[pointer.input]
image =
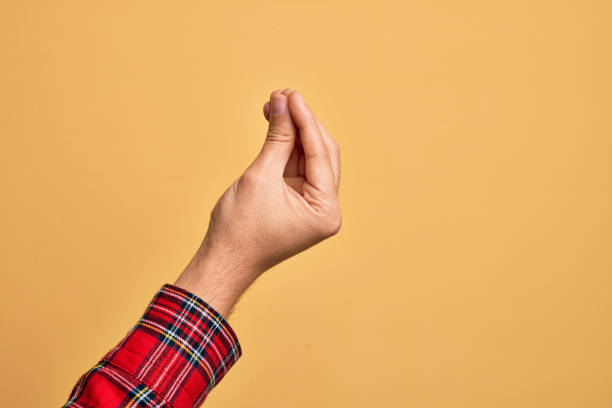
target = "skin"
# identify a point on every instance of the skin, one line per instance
(285, 202)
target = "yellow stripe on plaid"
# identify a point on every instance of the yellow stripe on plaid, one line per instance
(203, 307)
(173, 339)
(133, 401)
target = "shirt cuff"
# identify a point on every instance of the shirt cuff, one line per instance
(181, 348)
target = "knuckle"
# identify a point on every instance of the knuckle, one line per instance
(279, 134)
(251, 177)
(332, 224)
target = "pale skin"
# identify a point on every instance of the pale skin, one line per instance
(285, 202)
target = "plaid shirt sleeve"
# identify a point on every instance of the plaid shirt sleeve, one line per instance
(178, 351)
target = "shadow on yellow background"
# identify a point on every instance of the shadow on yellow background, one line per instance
(473, 268)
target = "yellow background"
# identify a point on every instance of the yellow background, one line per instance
(473, 268)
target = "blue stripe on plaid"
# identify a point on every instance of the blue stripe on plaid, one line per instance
(193, 348)
(191, 303)
(173, 357)
(143, 396)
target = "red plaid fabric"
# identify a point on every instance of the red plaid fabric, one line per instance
(172, 358)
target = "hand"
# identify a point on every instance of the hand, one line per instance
(284, 202)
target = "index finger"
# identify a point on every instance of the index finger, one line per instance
(319, 171)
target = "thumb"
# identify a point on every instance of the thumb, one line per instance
(280, 138)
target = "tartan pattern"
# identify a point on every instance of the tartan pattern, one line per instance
(174, 356)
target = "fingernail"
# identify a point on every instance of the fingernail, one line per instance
(279, 105)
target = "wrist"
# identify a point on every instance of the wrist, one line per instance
(216, 277)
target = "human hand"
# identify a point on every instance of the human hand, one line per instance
(284, 202)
